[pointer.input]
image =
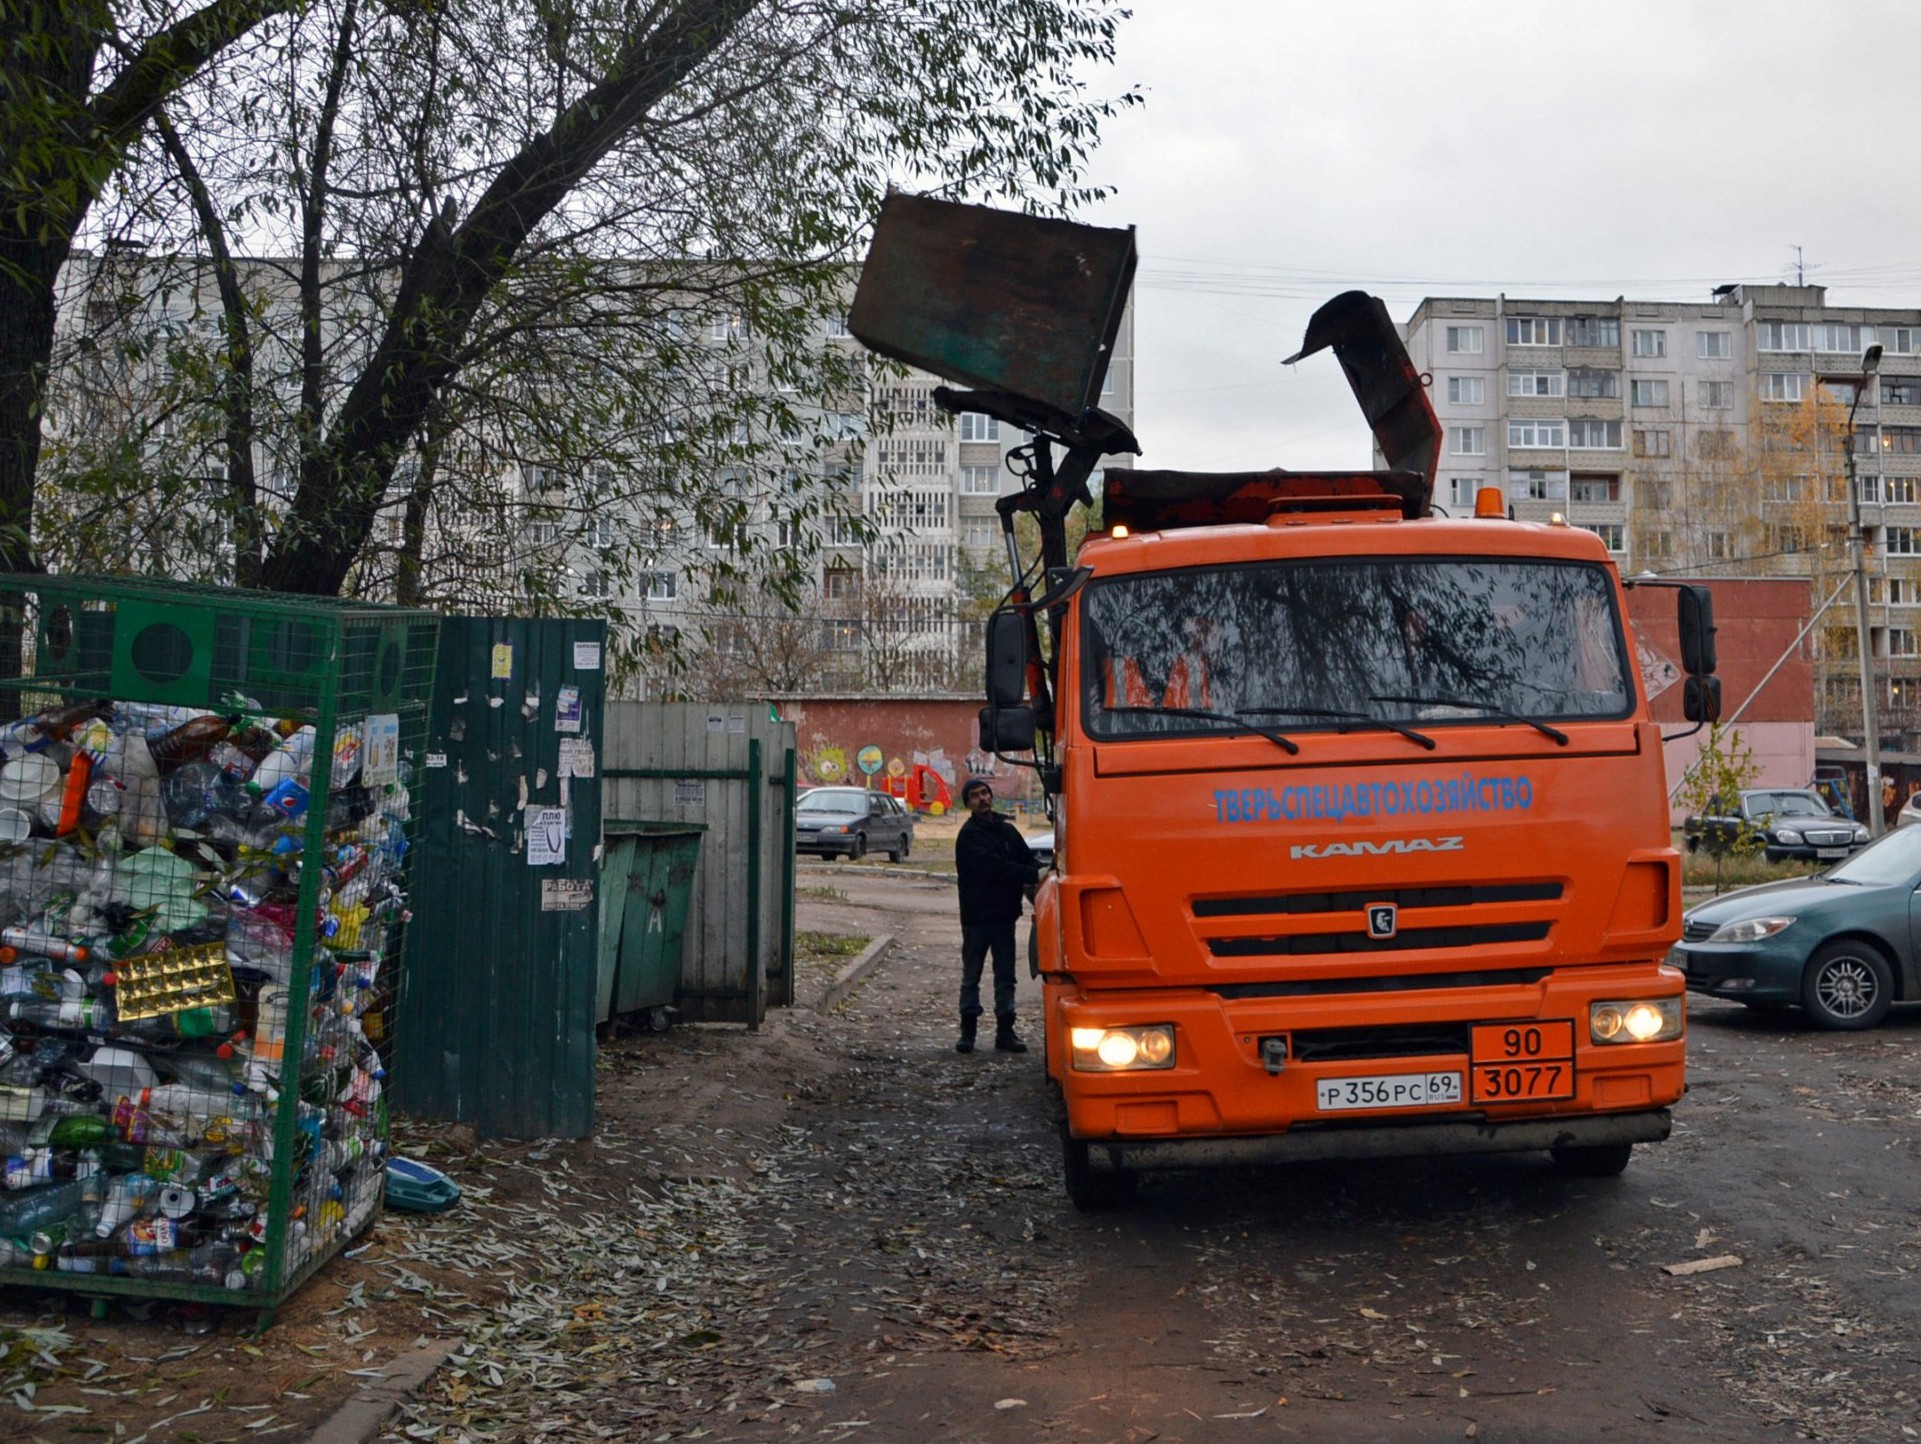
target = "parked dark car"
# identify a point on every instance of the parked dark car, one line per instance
(1790, 822)
(1840, 946)
(851, 822)
(1041, 845)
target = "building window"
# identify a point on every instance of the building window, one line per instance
(1901, 390)
(1536, 383)
(1900, 490)
(1537, 485)
(1716, 395)
(658, 586)
(1786, 539)
(1656, 495)
(1647, 393)
(1467, 440)
(1462, 491)
(1650, 343)
(1653, 443)
(1716, 545)
(1594, 331)
(1902, 642)
(1466, 390)
(836, 326)
(839, 583)
(1904, 340)
(1903, 541)
(1611, 534)
(727, 328)
(1783, 489)
(1714, 345)
(1465, 340)
(1588, 382)
(1533, 331)
(593, 583)
(1901, 440)
(1659, 543)
(980, 480)
(981, 531)
(1549, 431)
(1843, 340)
(975, 427)
(1783, 385)
(1595, 488)
(1590, 434)
(1901, 591)
(1714, 444)
(1783, 336)
(543, 478)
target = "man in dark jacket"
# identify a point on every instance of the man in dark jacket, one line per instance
(995, 869)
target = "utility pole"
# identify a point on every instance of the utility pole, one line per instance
(1870, 704)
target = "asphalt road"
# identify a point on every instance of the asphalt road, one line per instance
(944, 1289)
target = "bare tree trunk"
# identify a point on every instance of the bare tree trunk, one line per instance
(444, 285)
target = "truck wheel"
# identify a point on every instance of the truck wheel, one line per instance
(1091, 1189)
(1592, 1160)
(1848, 986)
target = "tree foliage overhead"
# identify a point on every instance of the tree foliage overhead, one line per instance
(479, 237)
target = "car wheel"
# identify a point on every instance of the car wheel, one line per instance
(1848, 986)
(1592, 1160)
(1693, 844)
(899, 854)
(859, 849)
(1091, 1189)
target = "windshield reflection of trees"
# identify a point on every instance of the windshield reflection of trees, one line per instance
(1540, 639)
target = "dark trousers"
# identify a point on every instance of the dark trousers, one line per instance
(976, 944)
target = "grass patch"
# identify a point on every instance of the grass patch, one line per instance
(827, 947)
(823, 893)
(1726, 871)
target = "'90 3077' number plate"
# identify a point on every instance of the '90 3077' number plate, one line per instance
(1387, 1090)
(1522, 1062)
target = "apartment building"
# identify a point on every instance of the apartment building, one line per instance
(1706, 439)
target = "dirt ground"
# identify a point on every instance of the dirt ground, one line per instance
(837, 1226)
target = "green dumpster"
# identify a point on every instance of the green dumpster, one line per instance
(647, 878)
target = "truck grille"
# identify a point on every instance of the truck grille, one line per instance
(1343, 928)
(1340, 1045)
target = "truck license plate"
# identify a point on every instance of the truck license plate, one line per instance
(1387, 1090)
(1522, 1062)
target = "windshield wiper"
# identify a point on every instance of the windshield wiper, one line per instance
(1487, 708)
(1287, 744)
(1366, 718)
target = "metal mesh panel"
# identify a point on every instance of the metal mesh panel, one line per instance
(206, 801)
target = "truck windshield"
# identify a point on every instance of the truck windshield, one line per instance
(1299, 646)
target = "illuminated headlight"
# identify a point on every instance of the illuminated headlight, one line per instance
(1788, 835)
(1652, 1020)
(1123, 1050)
(1752, 930)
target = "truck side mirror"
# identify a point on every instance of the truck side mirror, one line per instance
(1007, 729)
(1695, 607)
(1701, 699)
(1006, 659)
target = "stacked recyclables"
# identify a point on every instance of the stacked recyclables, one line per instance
(151, 861)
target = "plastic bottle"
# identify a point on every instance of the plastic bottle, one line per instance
(36, 1166)
(269, 1040)
(47, 944)
(73, 794)
(293, 758)
(126, 1196)
(23, 1214)
(84, 1015)
(190, 741)
(194, 792)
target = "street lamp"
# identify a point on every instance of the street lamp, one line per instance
(1870, 707)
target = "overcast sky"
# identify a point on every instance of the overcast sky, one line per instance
(1289, 151)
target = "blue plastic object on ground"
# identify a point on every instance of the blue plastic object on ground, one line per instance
(419, 1187)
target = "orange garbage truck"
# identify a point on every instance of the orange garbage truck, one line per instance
(1361, 828)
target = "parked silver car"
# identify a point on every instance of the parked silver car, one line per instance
(850, 822)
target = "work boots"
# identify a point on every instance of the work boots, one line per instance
(1005, 1040)
(965, 1043)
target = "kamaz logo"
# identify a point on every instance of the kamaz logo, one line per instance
(1392, 845)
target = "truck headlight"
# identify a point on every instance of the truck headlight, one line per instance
(1637, 1020)
(1122, 1050)
(1750, 930)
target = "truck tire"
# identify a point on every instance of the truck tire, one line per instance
(1593, 1160)
(1847, 987)
(1091, 1189)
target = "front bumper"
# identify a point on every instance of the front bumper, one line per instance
(1423, 1140)
(1768, 972)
